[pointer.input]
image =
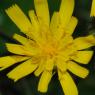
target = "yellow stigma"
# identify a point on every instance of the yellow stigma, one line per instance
(48, 49)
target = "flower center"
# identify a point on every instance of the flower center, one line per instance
(49, 49)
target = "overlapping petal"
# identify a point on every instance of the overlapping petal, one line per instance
(19, 18)
(8, 61)
(40, 7)
(22, 70)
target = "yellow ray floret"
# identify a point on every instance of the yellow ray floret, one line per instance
(66, 81)
(93, 8)
(84, 42)
(21, 39)
(72, 25)
(77, 70)
(16, 49)
(61, 64)
(40, 68)
(22, 70)
(42, 6)
(49, 64)
(19, 18)
(35, 25)
(83, 57)
(56, 26)
(54, 23)
(44, 81)
(21, 50)
(34, 21)
(66, 13)
(8, 61)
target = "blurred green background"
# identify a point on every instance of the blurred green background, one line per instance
(28, 85)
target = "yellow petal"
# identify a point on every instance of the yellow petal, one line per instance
(34, 19)
(49, 64)
(55, 26)
(61, 64)
(54, 22)
(20, 58)
(20, 39)
(19, 18)
(42, 11)
(15, 48)
(40, 69)
(8, 61)
(65, 41)
(72, 25)
(84, 42)
(36, 32)
(77, 70)
(44, 81)
(68, 85)
(24, 41)
(66, 10)
(83, 57)
(93, 8)
(22, 70)
(22, 50)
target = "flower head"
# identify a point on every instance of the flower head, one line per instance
(48, 46)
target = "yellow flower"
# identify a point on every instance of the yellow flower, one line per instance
(48, 46)
(93, 8)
